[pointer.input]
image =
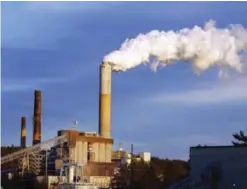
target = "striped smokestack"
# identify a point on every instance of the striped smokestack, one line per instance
(23, 132)
(37, 117)
(105, 100)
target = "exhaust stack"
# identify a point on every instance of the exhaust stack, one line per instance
(37, 117)
(23, 132)
(105, 100)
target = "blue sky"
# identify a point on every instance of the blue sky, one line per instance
(57, 47)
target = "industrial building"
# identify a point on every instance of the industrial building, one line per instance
(91, 149)
(220, 167)
(121, 157)
(229, 163)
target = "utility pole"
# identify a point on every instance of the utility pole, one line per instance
(131, 166)
(46, 172)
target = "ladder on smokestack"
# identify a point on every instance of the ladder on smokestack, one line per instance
(34, 151)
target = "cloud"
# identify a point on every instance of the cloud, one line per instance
(70, 26)
(14, 85)
(220, 92)
(41, 24)
(54, 7)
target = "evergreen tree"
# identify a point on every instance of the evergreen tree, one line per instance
(241, 138)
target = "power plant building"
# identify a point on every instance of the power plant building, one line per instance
(88, 149)
(93, 150)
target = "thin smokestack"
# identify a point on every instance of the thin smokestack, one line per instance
(105, 100)
(23, 132)
(37, 117)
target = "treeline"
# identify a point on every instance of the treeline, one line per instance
(158, 174)
(5, 150)
(9, 149)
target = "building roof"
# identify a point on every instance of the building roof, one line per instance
(226, 146)
(75, 135)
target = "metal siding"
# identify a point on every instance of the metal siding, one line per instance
(102, 152)
(96, 151)
(85, 152)
(233, 162)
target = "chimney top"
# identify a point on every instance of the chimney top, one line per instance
(37, 91)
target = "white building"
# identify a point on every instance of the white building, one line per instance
(230, 161)
(145, 156)
(126, 158)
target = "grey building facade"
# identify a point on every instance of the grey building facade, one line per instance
(221, 167)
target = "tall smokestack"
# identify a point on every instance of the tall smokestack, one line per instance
(37, 117)
(105, 100)
(23, 132)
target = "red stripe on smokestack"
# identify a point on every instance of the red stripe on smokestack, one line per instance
(37, 117)
(23, 132)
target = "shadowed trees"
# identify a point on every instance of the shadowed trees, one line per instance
(5, 150)
(158, 174)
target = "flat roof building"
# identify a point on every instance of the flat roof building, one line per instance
(227, 164)
(88, 149)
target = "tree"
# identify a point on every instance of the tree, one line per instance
(241, 138)
(158, 174)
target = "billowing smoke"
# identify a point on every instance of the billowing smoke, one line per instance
(201, 47)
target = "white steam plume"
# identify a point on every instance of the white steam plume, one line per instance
(202, 47)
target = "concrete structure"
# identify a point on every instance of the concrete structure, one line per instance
(92, 150)
(101, 182)
(124, 157)
(23, 132)
(37, 118)
(89, 149)
(145, 156)
(230, 161)
(105, 100)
